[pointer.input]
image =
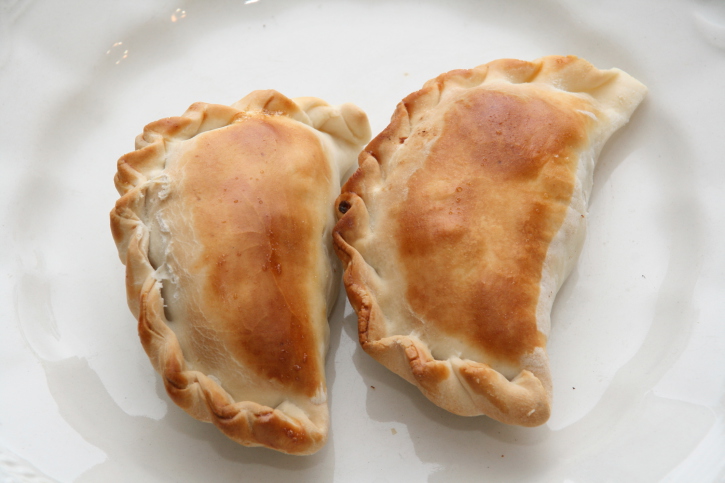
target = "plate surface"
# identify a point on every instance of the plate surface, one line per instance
(637, 338)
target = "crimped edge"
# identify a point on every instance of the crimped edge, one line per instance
(477, 389)
(285, 428)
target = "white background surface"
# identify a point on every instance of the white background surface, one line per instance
(638, 340)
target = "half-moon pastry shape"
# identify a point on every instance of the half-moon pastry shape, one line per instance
(224, 225)
(463, 220)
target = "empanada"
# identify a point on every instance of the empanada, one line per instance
(464, 218)
(224, 226)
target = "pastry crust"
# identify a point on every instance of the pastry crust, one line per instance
(224, 225)
(463, 220)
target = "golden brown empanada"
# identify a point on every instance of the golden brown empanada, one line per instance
(464, 218)
(224, 226)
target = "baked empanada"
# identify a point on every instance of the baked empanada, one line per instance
(464, 218)
(224, 226)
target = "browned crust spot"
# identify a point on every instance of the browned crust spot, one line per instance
(480, 214)
(260, 240)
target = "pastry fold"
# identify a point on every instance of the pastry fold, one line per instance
(224, 225)
(464, 218)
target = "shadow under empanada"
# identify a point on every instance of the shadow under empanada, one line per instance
(137, 447)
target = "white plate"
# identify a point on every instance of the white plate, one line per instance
(637, 343)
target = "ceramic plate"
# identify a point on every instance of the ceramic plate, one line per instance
(638, 335)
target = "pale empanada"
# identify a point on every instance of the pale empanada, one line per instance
(224, 226)
(464, 218)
